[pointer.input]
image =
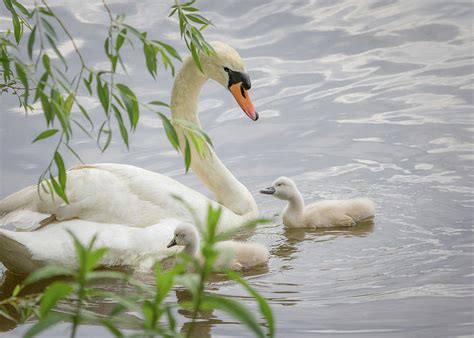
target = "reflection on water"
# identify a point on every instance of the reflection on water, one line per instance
(294, 236)
(357, 98)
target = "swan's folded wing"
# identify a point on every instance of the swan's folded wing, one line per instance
(23, 220)
(155, 193)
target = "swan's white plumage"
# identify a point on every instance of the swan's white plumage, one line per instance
(137, 248)
(319, 214)
(231, 254)
(115, 193)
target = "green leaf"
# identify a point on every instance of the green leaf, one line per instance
(106, 48)
(21, 8)
(170, 131)
(9, 6)
(68, 103)
(171, 51)
(56, 50)
(120, 39)
(198, 19)
(84, 112)
(16, 290)
(236, 310)
(49, 28)
(199, 144)
(57, 109)
(195, 55)
(48, 321)
(167, 62)
(88, 83)
(45, 11)
(150, 58)
(45, 134)
(5, 59)
(190, 281)
(48, 113)
(17, 27)
(20, 71)
(163, 281)
(41, 84)
(171, 319)
(187, 155)
(46, 63)
(48, 271)
(103, 93)
(94, 258)
(190, 9)
(159, 103)
(107, 275)
(133, 30)
(112, 328)
(58, 189)
(54, 293)
(108, 133)
(148, 313)
(31, 42)
(74, 153)
(81, 253)
(61, 169)
(123, 130)
(262, 302)
(131, 104)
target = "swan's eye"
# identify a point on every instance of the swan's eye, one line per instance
(279, 185)
(226, 69)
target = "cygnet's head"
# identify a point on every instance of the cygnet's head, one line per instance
(186, 235)
(227, 68)
(282, 188)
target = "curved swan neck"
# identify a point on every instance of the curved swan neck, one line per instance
(185, 93)
(192, 247)
(296, 203)
(184, 100)
(294, 212)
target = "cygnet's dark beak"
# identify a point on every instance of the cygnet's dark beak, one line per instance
(268, 191)
(172, 243)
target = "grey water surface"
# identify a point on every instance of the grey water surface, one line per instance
(356, 98)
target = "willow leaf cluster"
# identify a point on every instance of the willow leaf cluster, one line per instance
(34, 69)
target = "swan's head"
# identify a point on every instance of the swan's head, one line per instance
(185, 235)
(283, 188)
(227, 68)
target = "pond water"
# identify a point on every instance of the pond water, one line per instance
(356, 98)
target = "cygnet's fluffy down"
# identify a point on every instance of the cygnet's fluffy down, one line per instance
(320, 214)
(232, 254)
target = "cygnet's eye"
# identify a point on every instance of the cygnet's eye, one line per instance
(226, 69)
(279, 184)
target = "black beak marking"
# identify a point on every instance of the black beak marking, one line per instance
(268, 191)
(236, 77)
(172, 243)
(242, 91)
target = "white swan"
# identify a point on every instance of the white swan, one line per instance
(117, 193)
(132, 247)
(231, 254)
(320, 214)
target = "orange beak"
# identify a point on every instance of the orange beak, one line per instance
(243, 99)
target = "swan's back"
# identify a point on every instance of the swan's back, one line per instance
(338, 212)
(244, 255)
